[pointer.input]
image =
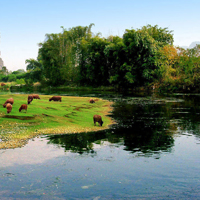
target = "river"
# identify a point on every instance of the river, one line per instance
(153, 152)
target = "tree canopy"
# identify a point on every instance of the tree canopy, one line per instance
(141, 57)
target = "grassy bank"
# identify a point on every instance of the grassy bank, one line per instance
(72, 115)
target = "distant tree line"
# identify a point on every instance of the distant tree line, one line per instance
(143, 57)
(17, 76)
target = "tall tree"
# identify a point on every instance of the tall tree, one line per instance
(35, 70)
(116, 57)
(95, 70)
(167, 59)
(61, 54)
(141, 47)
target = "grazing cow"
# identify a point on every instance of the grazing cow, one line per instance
(29, 101)
(92, 101)
(10, 100)
(55, 98)
(35, 96)
(23, 107)
(30, 98)
(9, 107)
(2, 84)
(97, 118)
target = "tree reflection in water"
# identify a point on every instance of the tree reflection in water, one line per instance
(142, 126)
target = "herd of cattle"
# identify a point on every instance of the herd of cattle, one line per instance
(9, 103)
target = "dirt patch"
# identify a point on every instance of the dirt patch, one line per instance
(72, 113)
(50, 108)
(46, 115)
(18, 117)
(78, 108)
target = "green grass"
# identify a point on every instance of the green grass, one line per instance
(72, 115)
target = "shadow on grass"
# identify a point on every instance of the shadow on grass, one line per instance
(18, 117)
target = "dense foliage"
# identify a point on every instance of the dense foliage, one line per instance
(76, 56)
(142, 57)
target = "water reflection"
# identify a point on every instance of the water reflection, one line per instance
(35, 152)
(142, 126)
(186, 114)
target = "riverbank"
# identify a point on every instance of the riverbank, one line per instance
(154, 87)
(72, 115)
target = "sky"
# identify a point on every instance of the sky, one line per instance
(24, 23)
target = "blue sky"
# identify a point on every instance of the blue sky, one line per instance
(24, 23)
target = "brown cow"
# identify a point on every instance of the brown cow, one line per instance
(35, 96)
(10, 100)
(23, 107)
(30, 98)
(2, 84)
(97, 118)
(92, 101)
(29, 101)
(55, 98)
(9, 107)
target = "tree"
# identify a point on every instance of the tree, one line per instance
(141, 47)
(95, 70)
(12, 77)
(188, 66)
(35, 70)
(167, 58)
(61, 54)
(19, 71)
(162, 35)
(4, 71)
(116, 57)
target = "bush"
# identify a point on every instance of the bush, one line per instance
(20, 81)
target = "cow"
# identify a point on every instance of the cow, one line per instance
(23, 107)
(29, 101)
(30, 98)
(10, 100)
(97, 118)
(35, 96)
(9, 107)
(55, 98)
(92, 101)
(2, 84)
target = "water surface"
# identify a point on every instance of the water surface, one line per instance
(151, 153)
